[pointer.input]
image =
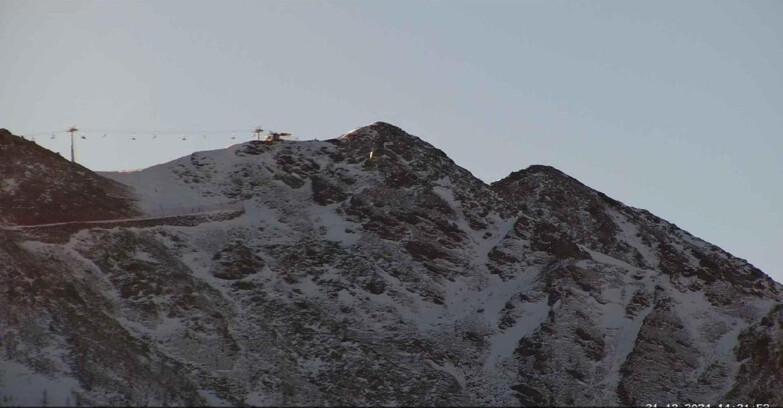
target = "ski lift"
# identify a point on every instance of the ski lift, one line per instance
(276, 136)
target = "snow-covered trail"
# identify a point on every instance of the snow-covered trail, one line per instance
(233, 208)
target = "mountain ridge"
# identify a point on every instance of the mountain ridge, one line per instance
(399, 279)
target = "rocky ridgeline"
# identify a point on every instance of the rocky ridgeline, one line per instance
(399, 279)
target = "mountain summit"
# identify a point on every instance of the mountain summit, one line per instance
(370, 269)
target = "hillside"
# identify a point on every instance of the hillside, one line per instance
(396, 280)
(38, 186)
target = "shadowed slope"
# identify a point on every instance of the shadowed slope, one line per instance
(38, 186)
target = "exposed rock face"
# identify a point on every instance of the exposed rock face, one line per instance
(760, 353)
(396, 280)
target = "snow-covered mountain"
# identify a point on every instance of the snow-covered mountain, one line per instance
(330, 277)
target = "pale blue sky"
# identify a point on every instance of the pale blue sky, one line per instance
(672, 106)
